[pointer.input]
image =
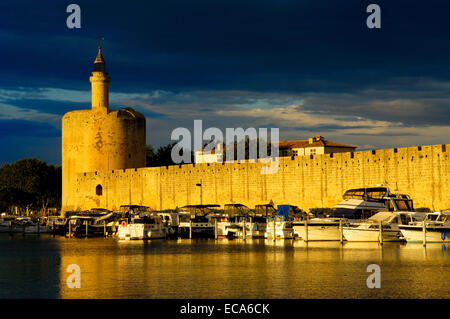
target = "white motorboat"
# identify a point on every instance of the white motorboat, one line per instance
(141, 227)
(171, 221)
(7, 224)
(437, 229)
(326, 229)
(196, 221)
(241, 227)
(5, 227)
(357, 205)
(280, 225)
(279, 228)
(370, 230)
(240, 222)
(36, 228)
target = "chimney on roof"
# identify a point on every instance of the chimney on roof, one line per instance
(316, 138)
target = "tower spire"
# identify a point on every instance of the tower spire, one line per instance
(99, 84)
(99, 63)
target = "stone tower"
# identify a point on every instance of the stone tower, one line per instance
(99, 139)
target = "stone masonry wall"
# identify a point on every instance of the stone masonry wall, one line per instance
(423, 172)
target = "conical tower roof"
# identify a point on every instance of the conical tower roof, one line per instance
(99, 63)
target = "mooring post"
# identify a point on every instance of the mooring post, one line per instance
(341, 231)
(104, 228)
(274, 230)
(70, 229)
(424, 229)
(244, 231)
(306, 230)
(190, 229)
(380, 224)
(215, 228)
(86, 228)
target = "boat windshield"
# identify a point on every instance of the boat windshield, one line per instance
(201, 209)
(375, 194)
(265, 210)
(404, 204)
(432, 217)
(406, 218)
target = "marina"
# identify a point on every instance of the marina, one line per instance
(35, 266)
(365, 215)
(262, 165)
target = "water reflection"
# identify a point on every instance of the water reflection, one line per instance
(221, 269)
(29, 267)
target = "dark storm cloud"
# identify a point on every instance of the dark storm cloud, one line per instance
(263, 45)
(22, 128)
(232, 63)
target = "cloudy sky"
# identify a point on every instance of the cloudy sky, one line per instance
(307, 67)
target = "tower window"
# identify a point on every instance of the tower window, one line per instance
(99, 190)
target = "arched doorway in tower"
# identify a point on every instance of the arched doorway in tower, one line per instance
(99, 190)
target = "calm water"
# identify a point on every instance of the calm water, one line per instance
(35, 267)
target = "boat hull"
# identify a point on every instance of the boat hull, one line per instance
(140, 232)
(371, 235)
(318, 232)
(281, 231)
(35, 229)
(197, 232)
(433, 234)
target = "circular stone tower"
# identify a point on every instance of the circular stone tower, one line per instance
(99, 139)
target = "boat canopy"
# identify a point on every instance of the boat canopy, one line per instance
(286, 210)
(134, 208)
(81, 217)
(352, 203)
(104, 217)
(200, 209)
(236, 209)
(382, 217)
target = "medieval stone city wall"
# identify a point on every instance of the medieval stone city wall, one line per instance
(423, 172)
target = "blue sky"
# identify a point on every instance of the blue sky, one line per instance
(307, 67)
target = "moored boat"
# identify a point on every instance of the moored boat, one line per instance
(195, 221)
(171, 222)
(57, 225)
(437, 229)
(357, 205)
(145, 226)
(239, 221)
(280, 226)
(370, 230)
(37, 227)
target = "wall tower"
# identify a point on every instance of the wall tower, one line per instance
(99, 139)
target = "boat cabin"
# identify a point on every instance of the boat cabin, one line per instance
(265, 210)
(236, 210)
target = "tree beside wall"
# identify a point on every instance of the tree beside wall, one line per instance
(30, 184)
